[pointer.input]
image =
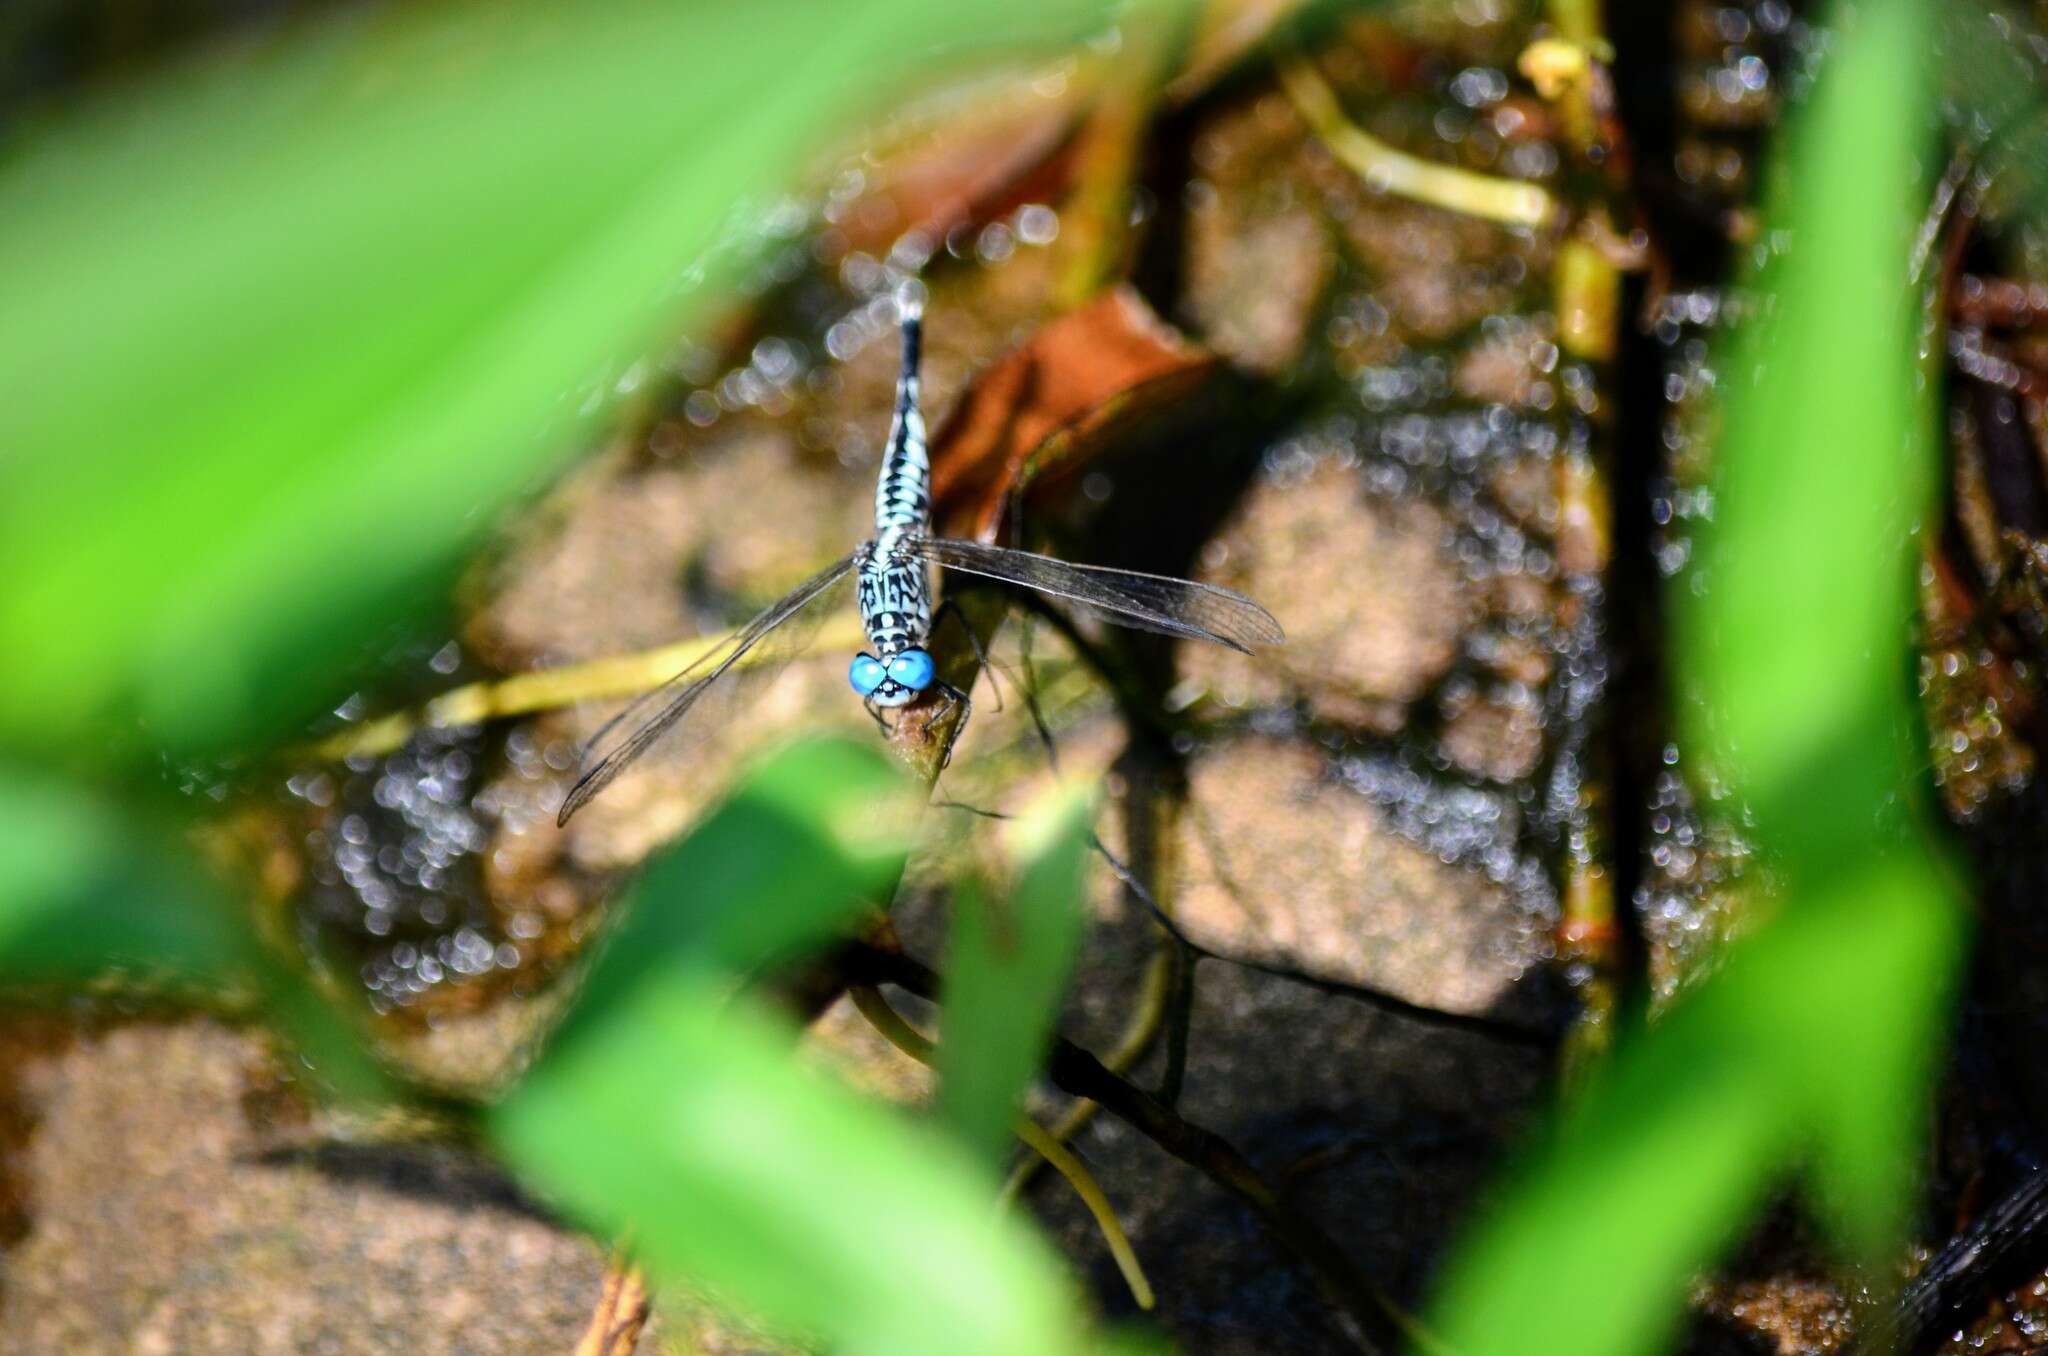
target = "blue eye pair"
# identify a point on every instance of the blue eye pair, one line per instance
(910, 668)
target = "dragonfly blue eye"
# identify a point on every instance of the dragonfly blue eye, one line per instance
(866, 674)
(913, 669)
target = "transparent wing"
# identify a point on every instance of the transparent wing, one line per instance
(619, 741)
(1149, 602)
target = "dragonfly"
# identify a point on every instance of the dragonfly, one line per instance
(892, 572)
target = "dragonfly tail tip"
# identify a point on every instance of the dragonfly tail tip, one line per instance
(910, 300)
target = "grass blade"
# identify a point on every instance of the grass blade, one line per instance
(1006, 971)
(1793, 639)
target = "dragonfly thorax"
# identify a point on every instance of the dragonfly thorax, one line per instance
(896, 611)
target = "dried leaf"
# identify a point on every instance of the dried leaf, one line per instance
(1050, 405)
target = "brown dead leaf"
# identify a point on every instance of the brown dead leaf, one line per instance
(1045, 408)
(621, 1313)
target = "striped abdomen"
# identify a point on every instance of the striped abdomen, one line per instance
(903, 494)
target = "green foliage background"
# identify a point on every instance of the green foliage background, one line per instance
(1815, 1046)
(284, 329)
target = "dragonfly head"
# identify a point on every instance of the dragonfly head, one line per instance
(895, 681)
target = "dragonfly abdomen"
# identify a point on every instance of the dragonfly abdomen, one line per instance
(903, 491)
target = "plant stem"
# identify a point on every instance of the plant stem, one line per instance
(522, 694)
(868, 1001)
(1391, 171)
(1368, 1319)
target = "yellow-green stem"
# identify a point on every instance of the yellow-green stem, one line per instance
(1384, 168)
(868, 1001)
(522, 694)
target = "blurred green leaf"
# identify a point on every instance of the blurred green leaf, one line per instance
(685, 1123)
(812, 838)
(1792, 628)
(670, 1113)
(1814, 1045)
(81, 897)
(282, 328)
(93, 898)
(813, 835)
(1132, 1342)
(1006, 970)
(1848, 992)
(1994, 105)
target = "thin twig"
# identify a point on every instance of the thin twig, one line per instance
(2002, 302)
(622, 1309)
(1947, 193)
(1368, 1318)
(1513, 1033)
(1029, 688)
(1458, 190)
(1147, 1016)
(1115, 676)
(1988, 362)
(1179, 1015)
(868, 1001)
(1070, 1166)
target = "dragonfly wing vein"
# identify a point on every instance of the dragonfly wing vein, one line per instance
(681, 693)
(1149, 602)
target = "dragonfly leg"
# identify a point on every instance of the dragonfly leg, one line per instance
(875, 714)
(1028, 688)
(955, 699)
(951, 607)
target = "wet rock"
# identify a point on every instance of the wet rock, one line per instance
(1284, 862)
(636, 558)
(164, 1220)
(1373, 1129)
(1790, 1315)
(1509, 367)
(1259, 256)
(1436, 273)
(1498, 737)
(1371, 599)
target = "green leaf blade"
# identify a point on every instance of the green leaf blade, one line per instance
(292, 324)
(1812, 1047)
(1791, 627)
(94, 898)
(811, 840)
(684, 1123)
(1006, 971)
